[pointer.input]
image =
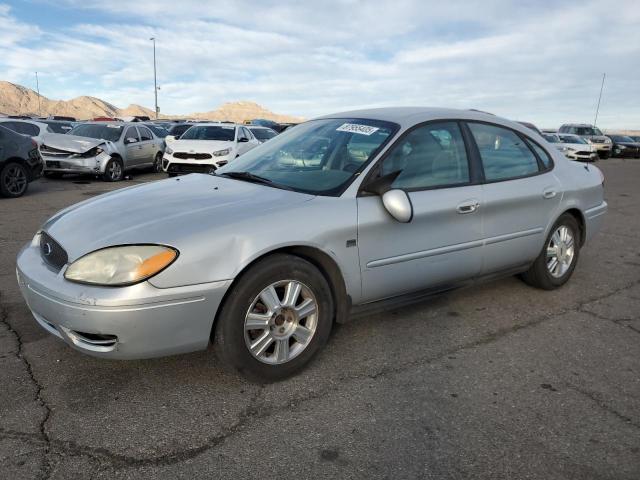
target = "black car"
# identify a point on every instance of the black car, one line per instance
(59, 126)
(624, 146)
(179, 128)
(20, 162)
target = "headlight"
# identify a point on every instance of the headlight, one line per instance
(222, 153)
(119, 266)
(607, 140)
(168, 150)
(571, 149)
(621, 147)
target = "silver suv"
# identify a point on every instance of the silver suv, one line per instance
(107, 149)
(592, 135)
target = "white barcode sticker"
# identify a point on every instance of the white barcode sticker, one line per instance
(356, 128)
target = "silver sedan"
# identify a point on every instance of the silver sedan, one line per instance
(341, 212)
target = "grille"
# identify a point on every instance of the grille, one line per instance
(192, 156)
(51, 251)
(190, 168)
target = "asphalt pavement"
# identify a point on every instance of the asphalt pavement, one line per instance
(495, 381)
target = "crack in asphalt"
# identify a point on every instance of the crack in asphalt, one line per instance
(595, 398)
(44, 435)
(257, 408)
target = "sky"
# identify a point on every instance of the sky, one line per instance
(539, 61)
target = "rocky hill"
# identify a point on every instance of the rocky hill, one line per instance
(19, 100)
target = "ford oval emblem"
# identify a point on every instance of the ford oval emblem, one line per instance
(47, 249)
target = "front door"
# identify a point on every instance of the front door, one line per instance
(442, 243)
(133, 148)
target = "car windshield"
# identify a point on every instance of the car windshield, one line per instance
(571, 139)
(159, 131)
(94, 130)
(210, 132)
(59, 127)
(551, 138)
(320, 157)
(586, 131)
(263, 134)
(622, 139)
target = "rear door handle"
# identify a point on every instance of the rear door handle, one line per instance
(549, 193)
(468, 206)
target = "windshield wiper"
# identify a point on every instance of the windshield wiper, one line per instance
(251, 177)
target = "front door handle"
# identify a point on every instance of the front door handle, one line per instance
(468, 207)
(549, 193)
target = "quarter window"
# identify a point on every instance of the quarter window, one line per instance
(432, 155)
(504, 154)
(542, 154)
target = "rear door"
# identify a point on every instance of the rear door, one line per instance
(443, 242)
(133, 148)
(148, 144)
(521, 195)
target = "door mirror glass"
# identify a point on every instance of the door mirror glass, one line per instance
(398, 204)
(243, 139)
(129, 140)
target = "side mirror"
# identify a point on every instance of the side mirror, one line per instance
(170, 138)
(129, 140)
(398, 204)
(243, 139)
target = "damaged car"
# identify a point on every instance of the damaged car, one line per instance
(104, 149)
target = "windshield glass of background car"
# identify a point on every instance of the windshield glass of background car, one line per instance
(262, 133)
(212, 132)
(551, 138)
(91, 130)
(319, 157)
(573, 140)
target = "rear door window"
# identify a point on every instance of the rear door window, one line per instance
(145, 134)
(504, 154)
(132, 133)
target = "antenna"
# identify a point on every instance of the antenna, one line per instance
(599, 98)
(38, 90)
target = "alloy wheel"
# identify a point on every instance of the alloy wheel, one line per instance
(281, 322)
(560, 251)
(15, 180)
(115, 171)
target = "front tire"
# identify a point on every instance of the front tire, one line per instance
(157, 163)
(114, 171)
(555, 264)
(276, 318)
(14, 180)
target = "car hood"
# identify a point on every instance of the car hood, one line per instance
(598, 139)
(71, 143)
(176, 212)
(199, 146)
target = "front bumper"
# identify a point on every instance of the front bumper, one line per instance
(139, 321)
(179, 165)
(76, 164)
(582, 156)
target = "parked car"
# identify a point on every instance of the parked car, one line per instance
(263, 122)
(573, 146)
(35, 129)
(624, 146)
(635, 138)
(178, 129)
(20, 162)
(60, 126)
(531, 126)
(592, 135)
(105, 149)
(262, 134)
(62, 118)
(206, 147)
(265, 255)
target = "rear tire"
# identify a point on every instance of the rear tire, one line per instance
(14, 180)
(555, 264)
(292, 324)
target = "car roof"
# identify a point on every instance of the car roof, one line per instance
(577, 125)
(409, 116)
(218, 124)
(260, 127)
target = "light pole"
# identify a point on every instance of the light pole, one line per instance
(38, 90)
(155, 78)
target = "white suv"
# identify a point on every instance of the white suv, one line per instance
(205, 147)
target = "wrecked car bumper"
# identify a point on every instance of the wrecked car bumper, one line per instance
(76, 163)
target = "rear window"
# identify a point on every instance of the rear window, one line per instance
(210, 132)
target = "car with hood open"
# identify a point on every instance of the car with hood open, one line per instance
(592, 135)
(339, 214)
(105, 149)
(205, 147)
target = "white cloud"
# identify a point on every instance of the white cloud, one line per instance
(537, 62)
